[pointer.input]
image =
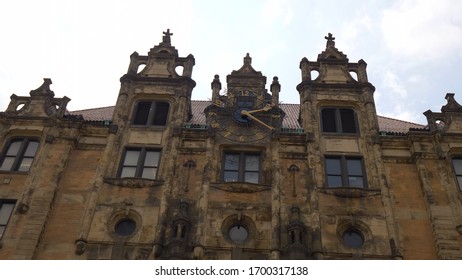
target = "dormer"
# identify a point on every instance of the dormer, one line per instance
(332, 67)
(162, 61)
(41, 103)
(247, 81)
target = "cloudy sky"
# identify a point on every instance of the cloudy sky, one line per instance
(413, 48)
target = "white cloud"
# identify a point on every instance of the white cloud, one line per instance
(423, 29)
(278, 10)
(392, 82)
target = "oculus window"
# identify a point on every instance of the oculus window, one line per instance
(353, 238)
(125, 227)
(140, 163)
(238, 234)
(457, 165)
(19, 154)
(151, 113)
(6, 208)
(241, 167)
(343, 171)
(339, 120)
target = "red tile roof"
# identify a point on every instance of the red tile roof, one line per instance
(290, 121)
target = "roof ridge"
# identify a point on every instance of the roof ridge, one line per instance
(400, 120)
(92, 108)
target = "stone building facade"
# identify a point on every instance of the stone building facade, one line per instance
(242, 176)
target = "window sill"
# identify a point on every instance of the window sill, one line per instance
(153, 127)
(337, 135)
(350, 192)
(240, 187)
(133, 182)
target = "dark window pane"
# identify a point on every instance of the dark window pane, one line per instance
(128, 172)
(333, 166)
(7, 164)
(25, 164)
(348, 121)
(14, 148)
(161, 113)
(231, 162)
(457, 166)
(149, 173)
(142, 113)
(125, 227)
(251, 177)
(334, 181)
(356, 182)
(353, 239)
(252, 162)
(5, 212)
(354, 167)
(328, 120)
(231, 176)
(131, 158)
(459, 181)
(238, 234)
(151, 159)
(2, 230)
(31, 149)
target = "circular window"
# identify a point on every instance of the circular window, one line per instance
(353, 238)
(238, 233)
(125, 227)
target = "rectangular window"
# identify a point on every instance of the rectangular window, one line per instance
(151, 113)
(19, 154)
(342, 171)
(140, 163)
(457, 165)
(338, 120)
(6, 208)
(241, 167)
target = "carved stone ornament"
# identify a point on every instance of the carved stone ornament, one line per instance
(133, 182)
(80, 246)
(350, 192)
(240, 187)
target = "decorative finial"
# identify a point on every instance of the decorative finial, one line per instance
(44, 89)
(330, 40)
(329, 37)
(247, 59)
(166, 37)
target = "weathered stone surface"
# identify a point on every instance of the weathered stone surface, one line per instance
(73, 201)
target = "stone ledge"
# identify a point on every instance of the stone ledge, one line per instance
(350, 192)
(133, 182)
(240, 187)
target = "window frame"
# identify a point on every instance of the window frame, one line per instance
(242, 169)
(20, 154)
(4, 225)
(339, 124)
(151, 118)
(457, 176)
(344, 172)
(140, 164)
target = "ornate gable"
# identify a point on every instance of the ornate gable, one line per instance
(41, 103)
(162, 61)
